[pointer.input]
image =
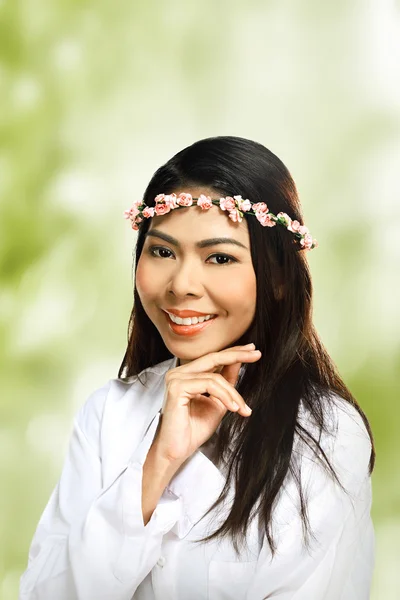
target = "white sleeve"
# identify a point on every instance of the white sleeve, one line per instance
(339, 564)
(91, 541)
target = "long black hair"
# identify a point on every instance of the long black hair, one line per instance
(294, 366)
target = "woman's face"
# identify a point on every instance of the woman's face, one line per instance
(175, 273)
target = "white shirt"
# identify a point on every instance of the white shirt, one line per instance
(91, 542)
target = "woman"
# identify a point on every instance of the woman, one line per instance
(228, 460)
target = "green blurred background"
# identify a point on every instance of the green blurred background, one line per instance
(94, 96)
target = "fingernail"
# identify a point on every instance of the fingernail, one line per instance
(249, 346)
(248, 409)
(235, 406)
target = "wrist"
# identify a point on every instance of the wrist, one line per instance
(162, 463)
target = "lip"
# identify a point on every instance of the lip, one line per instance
(188, 330)
(186, 313)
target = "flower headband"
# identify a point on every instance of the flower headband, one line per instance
(235, 206)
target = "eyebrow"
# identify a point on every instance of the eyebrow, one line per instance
(201, 244)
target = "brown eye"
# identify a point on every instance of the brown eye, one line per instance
(228, 259)
(154, 249)
(221, 259)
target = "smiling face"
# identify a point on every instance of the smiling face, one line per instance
(179, 271)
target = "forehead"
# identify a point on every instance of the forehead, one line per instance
(192, 224)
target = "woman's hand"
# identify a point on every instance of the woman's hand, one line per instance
(189, 418)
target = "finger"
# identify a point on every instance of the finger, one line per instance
(183, 391)
(209, 362)
(231, 372)
(187, 389)
(207, 396)
(220, 368)
(187, 378)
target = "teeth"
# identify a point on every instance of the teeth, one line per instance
(189, 320)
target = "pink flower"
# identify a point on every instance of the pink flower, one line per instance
(286, 218)
(303, 229)
(234, 215)
(131, 212)
(135, 223)
(260, 207)
(265, 219)
(185, 199)
(204, 202)
(294, 226)
(235, 206)
(162, 209)
(244, 205)
(170, 200)
(227, 203)
(307, 241)
(148, 211)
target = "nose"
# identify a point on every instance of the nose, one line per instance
(186, 280)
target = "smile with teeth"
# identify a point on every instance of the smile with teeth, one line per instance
(189, 320)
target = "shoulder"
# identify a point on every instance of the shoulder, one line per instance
(159, 369)
(115, 391)
(345, 440)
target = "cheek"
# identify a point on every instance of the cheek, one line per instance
(144, 279)
(240, 292)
